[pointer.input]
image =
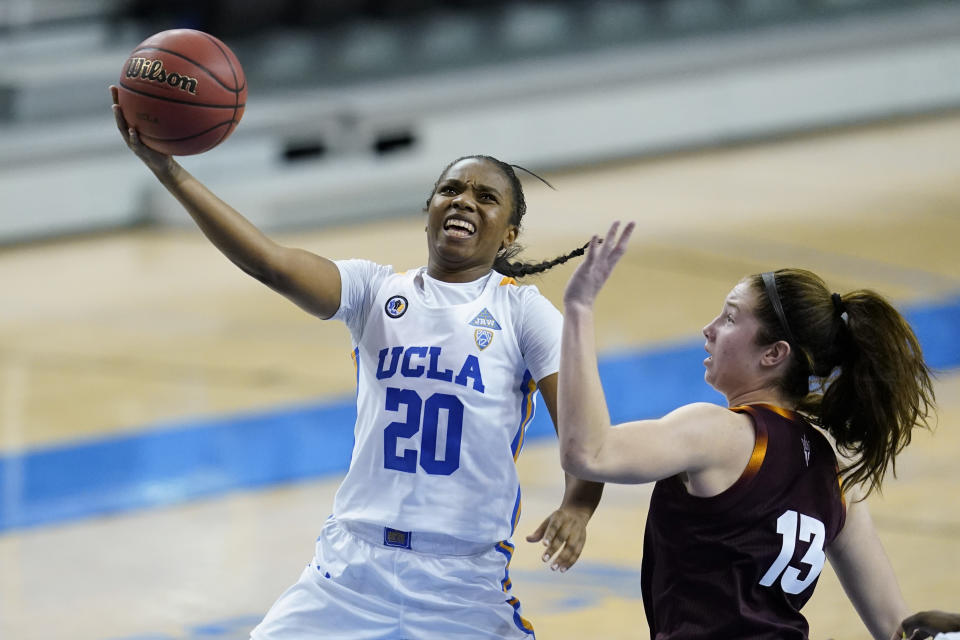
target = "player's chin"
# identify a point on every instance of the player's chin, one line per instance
(708, 378)
(457, 250)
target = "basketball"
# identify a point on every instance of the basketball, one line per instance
(183, 90)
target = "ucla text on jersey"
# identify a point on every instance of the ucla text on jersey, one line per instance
(411, 365)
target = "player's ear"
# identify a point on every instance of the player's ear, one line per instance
(775, 353)
(509, 236)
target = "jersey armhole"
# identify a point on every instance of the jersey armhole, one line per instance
(736, 492)
(757, 456)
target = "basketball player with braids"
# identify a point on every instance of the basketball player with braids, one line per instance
(749, 500)
(449, 358)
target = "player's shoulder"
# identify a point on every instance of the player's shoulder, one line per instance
(506, 281)
(363, 268)
(714, 431)
(705, 417)
(517, 290)
(702, 410)
(512, 288)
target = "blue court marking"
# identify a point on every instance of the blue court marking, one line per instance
(592, 583)
(172, 463)
(226, 629)
(586, 585)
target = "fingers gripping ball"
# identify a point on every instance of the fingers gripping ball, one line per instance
(183, 91)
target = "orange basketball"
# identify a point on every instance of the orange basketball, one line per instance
(183, 91)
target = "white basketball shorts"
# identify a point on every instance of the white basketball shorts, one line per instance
(360, 588)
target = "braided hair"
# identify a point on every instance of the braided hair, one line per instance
(503, 263)
(856, 367)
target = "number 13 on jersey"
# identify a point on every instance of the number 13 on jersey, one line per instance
(790, 532)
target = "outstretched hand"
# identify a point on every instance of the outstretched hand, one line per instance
(157, 162)
(590, 276)
(564, 532)
(927, 624)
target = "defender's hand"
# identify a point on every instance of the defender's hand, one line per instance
(590, 276)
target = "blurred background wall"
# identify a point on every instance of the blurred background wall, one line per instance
(355, 105)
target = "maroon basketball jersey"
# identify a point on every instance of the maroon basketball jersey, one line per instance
(741, 564)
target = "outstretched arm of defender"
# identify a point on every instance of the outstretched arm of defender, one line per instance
(308, 280)
(582, 414)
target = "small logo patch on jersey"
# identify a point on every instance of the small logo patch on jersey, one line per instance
(485, 320)
(396, 306)
(806, 448)
(483, 338)
(394, 538)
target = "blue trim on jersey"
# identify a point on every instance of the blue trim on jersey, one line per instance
(515, 515)
(171, 463)
(506, 548)
(356, 367)
(528, 408)
(519, 620)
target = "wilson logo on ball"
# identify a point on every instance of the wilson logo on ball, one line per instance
(152, 70)
(183, 89)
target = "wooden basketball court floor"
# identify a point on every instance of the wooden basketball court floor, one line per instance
(110, 336)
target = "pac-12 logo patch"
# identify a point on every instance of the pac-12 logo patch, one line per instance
(396, 306)
(483, 338)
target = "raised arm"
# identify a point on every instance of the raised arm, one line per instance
(709, 443)
(308, 280)
(862, 566)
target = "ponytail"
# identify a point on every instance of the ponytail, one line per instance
(856, 368)
(881, 391)
(519, 269)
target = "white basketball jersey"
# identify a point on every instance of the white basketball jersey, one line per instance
(443, 399)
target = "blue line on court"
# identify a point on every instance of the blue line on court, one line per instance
(173, 463)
